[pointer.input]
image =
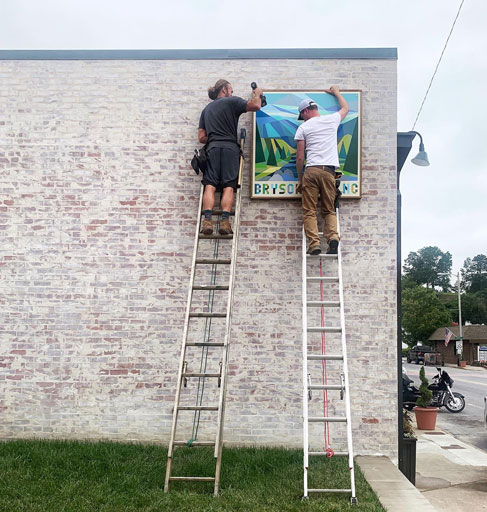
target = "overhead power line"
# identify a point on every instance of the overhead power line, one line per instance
(437, 66)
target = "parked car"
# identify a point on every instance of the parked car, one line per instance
(485, 411)
(416, 354)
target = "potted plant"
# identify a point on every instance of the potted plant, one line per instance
(409, 448)
(425, 414)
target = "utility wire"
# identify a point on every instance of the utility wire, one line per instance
(437, 66)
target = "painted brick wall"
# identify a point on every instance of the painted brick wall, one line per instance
(97, 218)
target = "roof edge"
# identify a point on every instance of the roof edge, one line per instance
(262, 53)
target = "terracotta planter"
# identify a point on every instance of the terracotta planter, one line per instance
(463, 364)
(426, 417)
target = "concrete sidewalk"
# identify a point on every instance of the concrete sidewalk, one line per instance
(395, 492)
(450, 475)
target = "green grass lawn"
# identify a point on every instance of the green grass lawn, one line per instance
(77, 477)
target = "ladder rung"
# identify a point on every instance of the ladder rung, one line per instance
(338, 454)
(324, 329)
(215, 236)
(192, 478)
(213, 261)
(203, 344)
(330, 490)
(210, 287)
(327, 419)
(197, 408)
(219, 212)
(333, 387)
(325, 357)
(324, 256)
(194, 443)
(332, 279)
(201, 375)
(324, 303)
(207, 315)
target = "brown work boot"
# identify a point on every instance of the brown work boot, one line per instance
(332, 247)
(314, 250)
(207, 227)
(225, 228)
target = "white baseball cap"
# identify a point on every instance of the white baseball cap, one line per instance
(305, 104)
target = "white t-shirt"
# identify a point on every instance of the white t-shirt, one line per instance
(320, 136)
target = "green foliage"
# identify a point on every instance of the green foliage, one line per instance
(429, 266)
(53, 476)
(422, 313)
(426, 396)
(474, 308)
(474, 274)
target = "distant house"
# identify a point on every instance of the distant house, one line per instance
(474, 336)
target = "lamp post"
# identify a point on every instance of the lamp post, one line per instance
(460, 328)
(404, 145)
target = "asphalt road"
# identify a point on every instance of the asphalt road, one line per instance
(468, 425)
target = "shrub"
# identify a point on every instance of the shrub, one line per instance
(424, 399)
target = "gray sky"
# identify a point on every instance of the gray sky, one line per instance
(443, 204)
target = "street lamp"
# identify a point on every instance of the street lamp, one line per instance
(460, 328)
(404, 145)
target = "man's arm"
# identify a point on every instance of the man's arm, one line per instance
(341, 100)
(299, 164)
(255, 102)
(202, 136)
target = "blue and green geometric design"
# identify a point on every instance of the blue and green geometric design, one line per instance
(274, 173)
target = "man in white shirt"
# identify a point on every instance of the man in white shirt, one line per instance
(318, 137)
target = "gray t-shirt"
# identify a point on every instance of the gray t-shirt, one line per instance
(220, 120)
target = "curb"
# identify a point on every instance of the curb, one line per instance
(395, 492)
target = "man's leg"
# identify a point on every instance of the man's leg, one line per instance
(227, 203)
(327, 193)
(209, 197)
(230, 163)
(208, 203)
(310, 196)
(227, 199)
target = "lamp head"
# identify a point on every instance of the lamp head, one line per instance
(421, 158)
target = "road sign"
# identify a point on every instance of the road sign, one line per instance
(483, 353)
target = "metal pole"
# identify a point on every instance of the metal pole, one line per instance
(400, 430)
(459, 308)
(460, 328)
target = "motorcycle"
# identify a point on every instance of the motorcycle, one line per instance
(441, 389)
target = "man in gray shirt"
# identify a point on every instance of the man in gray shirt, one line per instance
(218, 128)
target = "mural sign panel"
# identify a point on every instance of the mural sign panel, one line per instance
(274, 173)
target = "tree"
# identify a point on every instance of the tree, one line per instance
(429, 266)
(422, 313)
(425, 397)
(474, 274)
(474, 308)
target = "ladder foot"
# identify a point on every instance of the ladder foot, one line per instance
(354, 500)
(305, 498)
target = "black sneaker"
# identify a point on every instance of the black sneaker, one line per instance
(332, 247)
(314, 251)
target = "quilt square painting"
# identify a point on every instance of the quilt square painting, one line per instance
(274, 173)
